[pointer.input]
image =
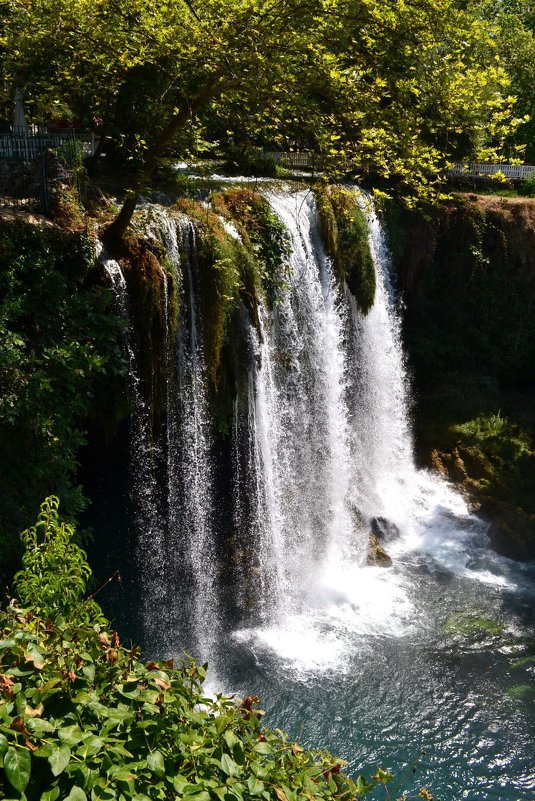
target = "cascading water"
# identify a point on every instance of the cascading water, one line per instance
(190, 470)
(144, 484)
(333, 446)
(359, 655)
(300, 419)
(171, 474)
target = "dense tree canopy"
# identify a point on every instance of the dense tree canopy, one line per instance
(516, 41)
(395, 87)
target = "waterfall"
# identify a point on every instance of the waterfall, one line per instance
(301, 420)
(321, 453)
(253, 546)
(331, 447)
(145, 495)
(190, 470)
(171, 472)
(381, 436)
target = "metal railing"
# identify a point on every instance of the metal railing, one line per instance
(296, 159)
(516, 172)
(24, 179)
(25, 143)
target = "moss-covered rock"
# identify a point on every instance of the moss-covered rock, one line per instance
(263, 235)
(468, 624)
(522, 692)
(241, 245)
(345, 233)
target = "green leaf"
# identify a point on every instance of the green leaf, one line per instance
(51, 795)
(229, 766)
(38, 726)
(59, 759)
(198, 794)
(230, 739)
(156, 763)
(70, 735)
(89, 746)
(76, 794)
(179, 783)
(17, 766)
(3, 745)
(363, 786)
(255, 787)
(263, 748)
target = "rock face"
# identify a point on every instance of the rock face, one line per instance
(466, 270)
(384, 530)
(377, 556)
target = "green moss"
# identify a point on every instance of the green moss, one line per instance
(525, 662)
(229, 274)
(522, 692)
(146, 281)
(222, 264)
(468, 624)
(345, 232)
(263, 235)
(496, 435)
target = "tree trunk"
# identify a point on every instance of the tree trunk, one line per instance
(115, 231)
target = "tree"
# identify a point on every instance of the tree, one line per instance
(515, 22)
(398, 88)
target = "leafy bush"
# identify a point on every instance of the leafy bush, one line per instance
(82, 717)
(55, 571)
(527, 186)
(59, 346)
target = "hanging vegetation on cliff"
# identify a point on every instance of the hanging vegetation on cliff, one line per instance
(345, 233)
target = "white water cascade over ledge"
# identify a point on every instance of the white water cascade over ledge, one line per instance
(330, 410)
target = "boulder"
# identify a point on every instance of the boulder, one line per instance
(377, 556)
(384, 529)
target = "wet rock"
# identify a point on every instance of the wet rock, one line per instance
(377, 556)
(384, 529)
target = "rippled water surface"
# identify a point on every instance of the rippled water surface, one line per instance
(421, 665)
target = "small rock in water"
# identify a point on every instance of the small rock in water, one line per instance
(377, 556)
(384, 529)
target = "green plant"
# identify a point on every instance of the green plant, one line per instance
(345, 233)
(60, 352)
(250, 161)
(71, 153)
(264, 237)
(53, 580)
(527, 186)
